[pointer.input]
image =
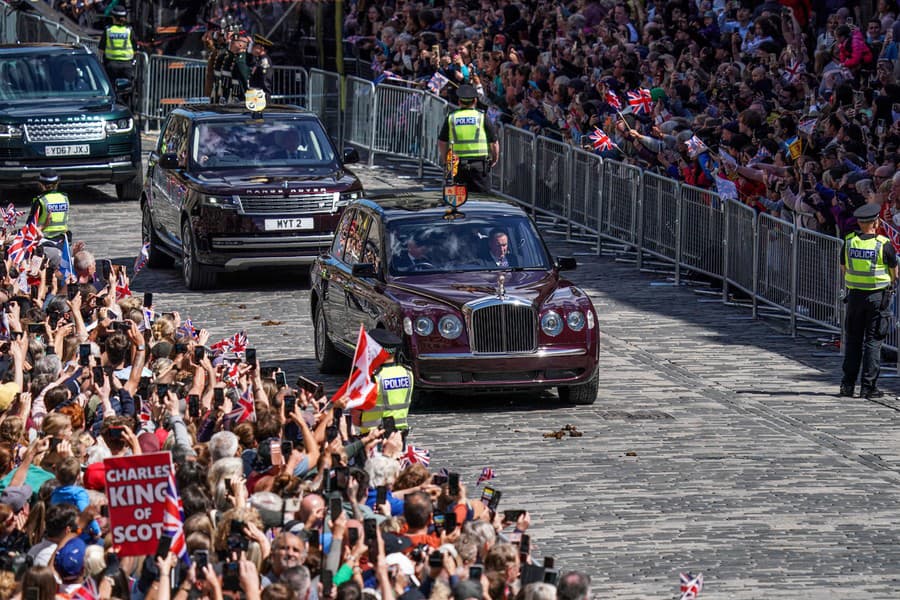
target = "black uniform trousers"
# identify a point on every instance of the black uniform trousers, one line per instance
(863, 341)
(119, 69)
(475, 175)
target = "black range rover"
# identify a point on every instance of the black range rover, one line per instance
(230, 190)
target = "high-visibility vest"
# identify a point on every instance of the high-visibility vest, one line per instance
(54, 214)
(118, 43)
(864, 267)
(395, 388)
(466, 133)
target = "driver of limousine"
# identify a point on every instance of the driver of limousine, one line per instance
(287, 145)
(415, 257)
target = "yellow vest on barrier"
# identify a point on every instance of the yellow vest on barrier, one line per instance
(864, 263)
(395, 388)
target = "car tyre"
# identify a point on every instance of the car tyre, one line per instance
(131, 191)
(328, 357)
(583, 394)
(192, 272)
(157, 258)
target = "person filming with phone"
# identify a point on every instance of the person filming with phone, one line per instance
(50, 213)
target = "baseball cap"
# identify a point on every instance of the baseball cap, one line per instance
(69, 560)
(95, 477)
(16, 496)
(395, 543)
(402, 562)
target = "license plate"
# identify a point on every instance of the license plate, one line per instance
(72, 150)
(288, 224)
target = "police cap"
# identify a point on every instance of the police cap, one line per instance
(466, 92)
(388, 340)
(119, 11)
(48, 176)
(261, 40)
(867, 212)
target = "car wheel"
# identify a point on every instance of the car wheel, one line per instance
(582, 394)
(131, 190)
(328, 357)
(194, 275)
(157, 258)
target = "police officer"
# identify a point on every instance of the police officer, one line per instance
(395, 386)
(240, 68)
(50, 212)
(118, 46)
(261, 75)
(869, 265)
(474, 141)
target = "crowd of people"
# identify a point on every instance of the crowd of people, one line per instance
(791, 107)
(281, 496)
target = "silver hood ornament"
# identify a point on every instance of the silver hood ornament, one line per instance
(501, 287)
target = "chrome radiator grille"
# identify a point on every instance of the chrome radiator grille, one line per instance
(313, 203)
(81, 131)
(501, 327)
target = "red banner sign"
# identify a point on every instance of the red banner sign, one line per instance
(136, 489)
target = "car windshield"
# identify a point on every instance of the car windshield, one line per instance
(479, 243)
(38, 77)
(239, 144)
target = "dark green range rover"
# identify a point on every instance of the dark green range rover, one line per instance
(59, 110)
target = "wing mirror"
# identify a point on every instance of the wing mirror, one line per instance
(168, 161)
(351, 155)
(566, 263)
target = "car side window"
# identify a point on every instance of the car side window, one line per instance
(357, 235)
(372, 247)
(340, 238)
(175, 138)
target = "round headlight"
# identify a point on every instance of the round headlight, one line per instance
(450, 327)
(552, 323)
(575, 320)
(423, 326)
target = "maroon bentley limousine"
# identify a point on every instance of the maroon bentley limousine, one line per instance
(475, 295)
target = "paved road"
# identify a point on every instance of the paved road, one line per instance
(717, 443)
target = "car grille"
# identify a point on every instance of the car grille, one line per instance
(82, 131)
(11, 153)
(503, 327)
(313, 203)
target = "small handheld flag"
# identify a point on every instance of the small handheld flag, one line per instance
(487, 474)
(600, 140)
(641, 101)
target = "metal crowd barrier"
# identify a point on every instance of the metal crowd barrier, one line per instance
(551, 190)
(324, 99)
(359, 114)
(399, 130)
(22, 26)
(289, 85)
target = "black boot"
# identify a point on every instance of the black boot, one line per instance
(846, 390)
(871, 393)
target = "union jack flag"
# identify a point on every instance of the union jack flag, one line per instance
(695, 146)
(88, 590)
(187, 328)
(173, 521)
(640, 101)
(600, 140)
(613, 100)
(122, 289)
(691, 586)
(235, 343)
(487, 474)
(437, 82)
(245, 409)
(893, 233)
(232, 374)
(10, 215)
(148, 319)
(142, 258)
(25, 241)
(792, 72)
(414, 455)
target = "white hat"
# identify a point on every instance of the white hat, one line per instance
(405, 565)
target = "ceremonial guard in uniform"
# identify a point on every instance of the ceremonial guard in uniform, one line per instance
(118, 46)
(240, 68)
(50, 212)
(395, 386)
(261, 75)
(473, 139)
(869, 265)
(224, 60)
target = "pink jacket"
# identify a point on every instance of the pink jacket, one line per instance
(856, 55)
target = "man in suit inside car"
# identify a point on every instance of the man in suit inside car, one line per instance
(497, 253)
